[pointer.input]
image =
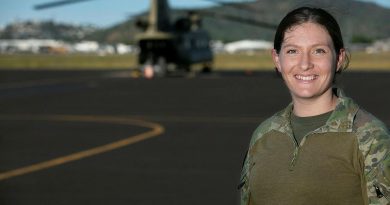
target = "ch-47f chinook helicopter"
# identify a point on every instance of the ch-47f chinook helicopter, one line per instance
(167, 47)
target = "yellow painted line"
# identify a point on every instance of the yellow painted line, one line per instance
(157, 129)
(202, 119)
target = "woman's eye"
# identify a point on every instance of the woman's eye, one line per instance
(320, 51)
(291, 51)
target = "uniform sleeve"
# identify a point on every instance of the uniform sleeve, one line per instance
(374, 142)
(377, 169)
(244, 179)
(264, 127)
(244, 186)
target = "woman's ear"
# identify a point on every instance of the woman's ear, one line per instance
(275, 58)
(340, 59)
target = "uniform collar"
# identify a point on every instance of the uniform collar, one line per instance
(341, 119)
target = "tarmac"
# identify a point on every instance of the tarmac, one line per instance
(103, 137)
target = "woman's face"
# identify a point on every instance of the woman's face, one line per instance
(307, 61)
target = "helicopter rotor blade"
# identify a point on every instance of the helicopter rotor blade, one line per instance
(56, 3)
(241, 6)
(247, 21)
(235, 5)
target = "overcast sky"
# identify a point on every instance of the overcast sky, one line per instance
(100, 13)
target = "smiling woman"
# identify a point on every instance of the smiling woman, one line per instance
(306, 61)
(322, 148)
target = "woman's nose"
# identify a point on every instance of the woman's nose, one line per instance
(306, 63)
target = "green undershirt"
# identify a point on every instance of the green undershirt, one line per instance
(301, 126)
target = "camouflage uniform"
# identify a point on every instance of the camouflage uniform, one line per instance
(373, 143)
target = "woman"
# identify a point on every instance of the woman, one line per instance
(322, 148)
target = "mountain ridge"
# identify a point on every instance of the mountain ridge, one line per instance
(359, 21)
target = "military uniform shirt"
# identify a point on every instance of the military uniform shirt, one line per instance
(346, 161)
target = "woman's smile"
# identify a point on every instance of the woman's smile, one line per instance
(306, 78)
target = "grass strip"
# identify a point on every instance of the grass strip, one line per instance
(253, 61)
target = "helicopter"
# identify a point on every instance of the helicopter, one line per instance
(166, 47)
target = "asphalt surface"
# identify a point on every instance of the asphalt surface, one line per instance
(187, 135)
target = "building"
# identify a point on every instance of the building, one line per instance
(248, 46)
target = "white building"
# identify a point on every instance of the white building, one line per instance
(379, 46)
(86, 47)
(217, 46)
(32, 46)
(124, 49)
(248, 46)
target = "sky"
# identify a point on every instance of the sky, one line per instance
(101, 13)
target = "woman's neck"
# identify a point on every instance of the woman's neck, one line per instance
(305, 107)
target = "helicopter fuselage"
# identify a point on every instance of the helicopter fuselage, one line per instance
(180, 48)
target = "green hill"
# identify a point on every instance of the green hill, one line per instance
(359, 20)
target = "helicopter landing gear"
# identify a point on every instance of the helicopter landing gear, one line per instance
(153, 69)
(159, 67)
(207, 68)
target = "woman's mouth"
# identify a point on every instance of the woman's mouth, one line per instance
(306, 77)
